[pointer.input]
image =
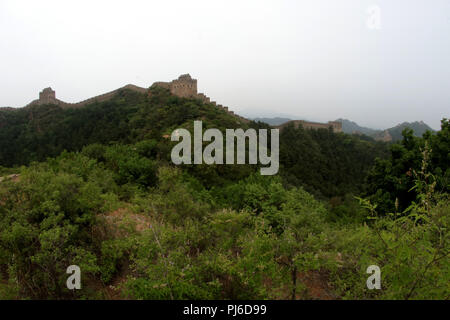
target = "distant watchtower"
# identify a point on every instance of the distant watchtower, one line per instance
(184, 86)
(47, 96)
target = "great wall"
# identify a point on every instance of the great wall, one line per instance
(48, 96)
(184, 87)
(335, 125)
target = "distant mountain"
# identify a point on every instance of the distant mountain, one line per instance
(352, 127)
(272, 121)
(391, 134)
(419, 128)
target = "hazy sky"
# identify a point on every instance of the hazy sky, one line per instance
(315, 60)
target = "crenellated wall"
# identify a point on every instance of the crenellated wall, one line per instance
(47, 96)
(184, 87)
(336, 126)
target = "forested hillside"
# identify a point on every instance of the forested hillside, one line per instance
(96, 188)
(36, 132)
(323, 162)
(272, 121)
(352, 127)
(419, 128)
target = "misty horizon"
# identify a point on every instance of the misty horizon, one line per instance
(314, 61)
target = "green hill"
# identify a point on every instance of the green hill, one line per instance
(273, 121)
(352, 127)
(139, 227)
(418, 127)
(388, 135)
(37, 132)
(40, 131)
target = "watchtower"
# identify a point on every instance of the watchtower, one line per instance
(184, 86)
(47, 96)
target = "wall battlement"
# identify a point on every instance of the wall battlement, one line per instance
(185, 86)
(48, 96)
(335, 125)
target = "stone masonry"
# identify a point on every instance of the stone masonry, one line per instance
(335, 125)
(184, 87)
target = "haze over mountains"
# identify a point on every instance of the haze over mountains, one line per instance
(273, 121)
(351, 127)
(390, 134)
(97, 181)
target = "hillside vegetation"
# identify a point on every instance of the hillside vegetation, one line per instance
(419, 128)
(96, 188)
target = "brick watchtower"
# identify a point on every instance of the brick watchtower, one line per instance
(47, 96)
(184, 86)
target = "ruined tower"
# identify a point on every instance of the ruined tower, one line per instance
(184, 86)
(47, 96)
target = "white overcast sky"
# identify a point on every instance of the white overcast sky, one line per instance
(314, 60)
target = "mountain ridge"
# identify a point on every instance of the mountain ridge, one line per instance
(350, 127)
